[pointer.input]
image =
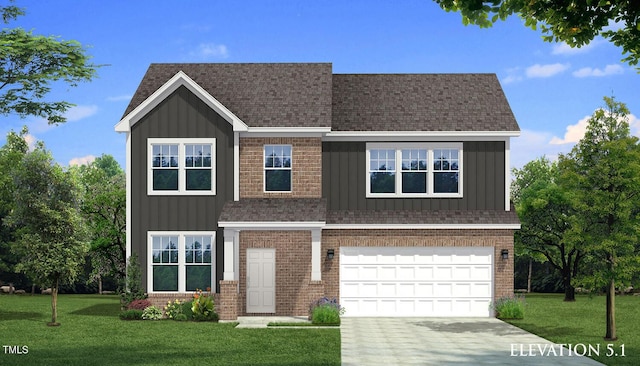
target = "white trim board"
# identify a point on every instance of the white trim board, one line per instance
(178, 80)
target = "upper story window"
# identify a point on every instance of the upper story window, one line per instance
(181, 166)
(414, 170)
(277, 168)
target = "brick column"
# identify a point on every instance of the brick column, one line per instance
(315, 292)
(227, 308)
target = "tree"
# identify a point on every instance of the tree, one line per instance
(49, 228)
(574, 22)
(603, 170)
(30, 63)
(11, 155)
(545, 210)
(104, 208)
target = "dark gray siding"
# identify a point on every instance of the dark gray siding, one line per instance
(344, 180)
(181, 115)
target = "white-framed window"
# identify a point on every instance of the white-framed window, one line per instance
(181, 166)
(277, 168)
(180, 261)
(414, 170)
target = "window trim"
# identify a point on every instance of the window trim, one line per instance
(264, 169)
(182, 264)
(398, 147)
(182, 170)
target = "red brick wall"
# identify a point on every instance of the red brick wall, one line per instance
(306, 175)
(294, 288)
(499, 239)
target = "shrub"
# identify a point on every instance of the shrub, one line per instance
(186, 310)
(326, 311)
(173, 309)
(202, 306)
(509, 307)
(132, 289)
(139, 304)
(180, 317)
(132, 314)
(152, 313)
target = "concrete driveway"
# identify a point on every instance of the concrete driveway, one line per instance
(450, 341)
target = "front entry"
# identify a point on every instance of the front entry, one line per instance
(261, 280)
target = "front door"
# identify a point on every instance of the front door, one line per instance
(261, 280)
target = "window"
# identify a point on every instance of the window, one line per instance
(181, 166)
(181, 262)
(414, 170)
(277, 168)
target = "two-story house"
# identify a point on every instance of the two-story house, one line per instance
(277, 184)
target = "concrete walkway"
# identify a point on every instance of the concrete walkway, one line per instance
(448, 341)
(263, 321)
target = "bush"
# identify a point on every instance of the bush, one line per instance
(133, 290)
(509, 307)
(132, 314)
(325, 311)
(202, 306)
(186, 310)
(180, 317)
(152, 313)
(173, 309)
(138, 304)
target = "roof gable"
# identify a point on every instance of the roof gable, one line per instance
(178, 80)
(259, 95)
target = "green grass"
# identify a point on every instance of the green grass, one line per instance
(299, 324)
(583, 322)
(92, 334)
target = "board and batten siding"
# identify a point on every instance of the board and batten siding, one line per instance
(344, 186)
(181, 115)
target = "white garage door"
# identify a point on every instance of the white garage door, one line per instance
(416, 281)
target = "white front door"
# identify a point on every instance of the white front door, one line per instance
(261, 280)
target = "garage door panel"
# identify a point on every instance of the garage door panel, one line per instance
(416, 281)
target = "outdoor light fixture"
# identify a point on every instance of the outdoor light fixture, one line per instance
(505, 254)
(330, 253)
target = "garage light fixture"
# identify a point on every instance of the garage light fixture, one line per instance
(505, 254)
(330, 253)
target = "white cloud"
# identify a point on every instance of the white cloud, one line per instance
(573, 133)
(564, 49)
(608, 70)
(31, 141)
(210, 50)
(76, 113)
(545, 71)
(119, 98)
(532, 145)
(79, 112)
(83, 160)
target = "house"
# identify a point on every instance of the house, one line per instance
(277, 184)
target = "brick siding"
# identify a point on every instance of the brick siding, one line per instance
(294, 288)
(306, 175)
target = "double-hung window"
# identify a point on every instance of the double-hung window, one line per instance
(181, 166)
(180, 262)
(414, 170)
(277, 168)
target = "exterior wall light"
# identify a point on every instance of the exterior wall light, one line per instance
(505, 254)
(330, 253)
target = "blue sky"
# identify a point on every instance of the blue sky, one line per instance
(551, 88)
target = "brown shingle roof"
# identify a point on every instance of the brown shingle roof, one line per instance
(261, 95)
(420, 102)
(413, 217)
(275, 210)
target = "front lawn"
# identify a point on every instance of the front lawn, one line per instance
(92, 334)
(583, 322)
